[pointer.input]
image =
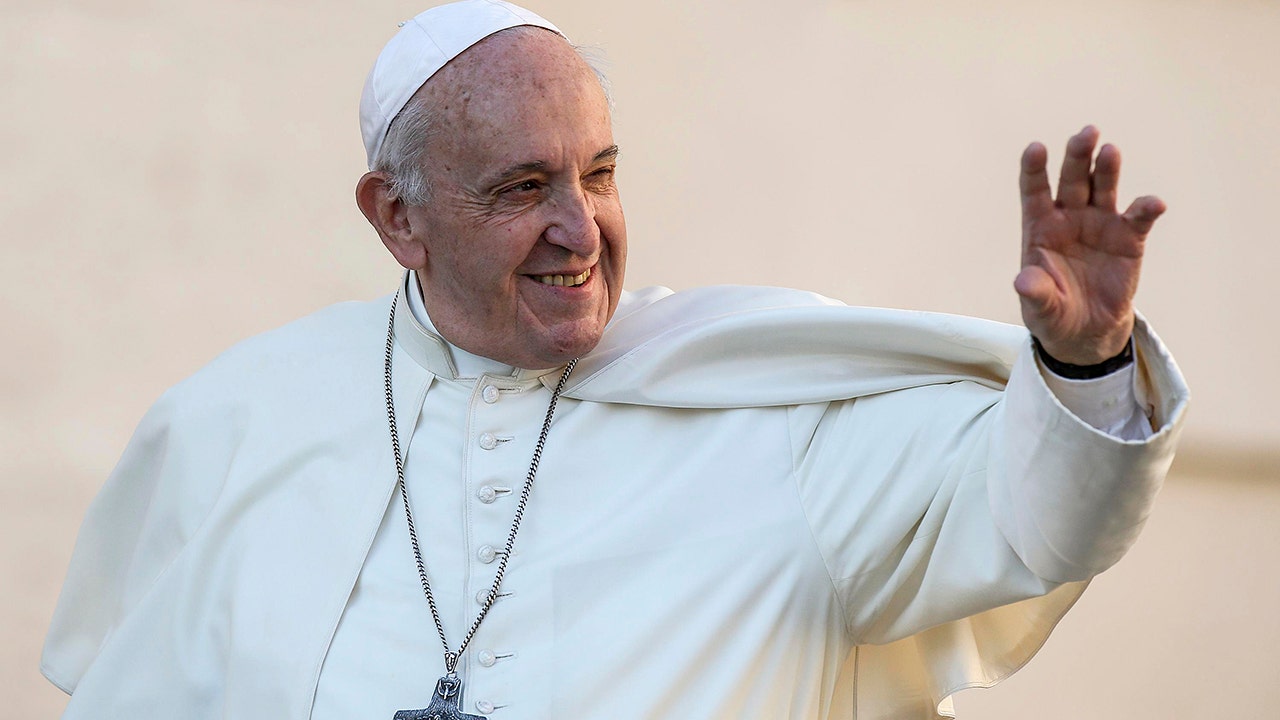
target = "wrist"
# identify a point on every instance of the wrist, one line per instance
(1084, 372)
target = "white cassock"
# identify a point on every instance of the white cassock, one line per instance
(753, 503)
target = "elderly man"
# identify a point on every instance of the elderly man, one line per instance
(749, 503)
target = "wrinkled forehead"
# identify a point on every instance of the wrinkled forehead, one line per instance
(517, 66)
(421, 48)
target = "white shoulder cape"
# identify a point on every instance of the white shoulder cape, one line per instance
(240, 428)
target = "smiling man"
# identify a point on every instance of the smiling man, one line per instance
(520, 243)
(512, 490)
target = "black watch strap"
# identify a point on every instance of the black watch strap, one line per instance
(1084, 372)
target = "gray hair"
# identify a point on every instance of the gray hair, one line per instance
(403, 153)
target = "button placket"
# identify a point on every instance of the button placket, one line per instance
(488, 658)
(488, 494)
(511, 413)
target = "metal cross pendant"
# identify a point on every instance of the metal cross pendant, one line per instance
(444, 704)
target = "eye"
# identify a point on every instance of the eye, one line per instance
(522, 186)
(601, 177)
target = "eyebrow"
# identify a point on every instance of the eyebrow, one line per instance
(513, 171)
(609, 153)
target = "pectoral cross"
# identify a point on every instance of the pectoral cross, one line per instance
(444, 704)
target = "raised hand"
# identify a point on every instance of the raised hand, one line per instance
(1080, 258)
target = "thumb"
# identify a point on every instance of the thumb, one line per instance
(1036, 288)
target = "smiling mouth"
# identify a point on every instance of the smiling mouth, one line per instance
(563, 280)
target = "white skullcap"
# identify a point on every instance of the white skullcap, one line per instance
(423, 46)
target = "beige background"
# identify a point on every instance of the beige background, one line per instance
(175, 176)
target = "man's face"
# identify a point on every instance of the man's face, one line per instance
(523, 229)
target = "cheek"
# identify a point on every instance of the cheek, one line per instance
(614, 229)
(490, 270)
(610, 220)
(470, 279)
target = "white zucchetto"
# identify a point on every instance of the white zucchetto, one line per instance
(424, 45)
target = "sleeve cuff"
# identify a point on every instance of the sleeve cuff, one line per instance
(1108, 403)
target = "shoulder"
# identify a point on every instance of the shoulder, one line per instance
(315, 354)
(714, 300)
(740, 346)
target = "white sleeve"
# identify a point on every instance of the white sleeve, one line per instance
(959, 523)
(1069, 498)
(938, 502)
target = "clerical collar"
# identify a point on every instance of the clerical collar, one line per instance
(418, 336)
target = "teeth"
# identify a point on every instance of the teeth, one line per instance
(564, 280)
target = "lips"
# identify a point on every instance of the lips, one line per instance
(563, 280)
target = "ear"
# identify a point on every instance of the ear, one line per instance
(388, 214)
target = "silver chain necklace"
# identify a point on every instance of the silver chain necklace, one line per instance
(448, 692)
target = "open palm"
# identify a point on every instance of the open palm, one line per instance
(1080, 257)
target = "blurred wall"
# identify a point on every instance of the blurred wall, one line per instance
(175, 176)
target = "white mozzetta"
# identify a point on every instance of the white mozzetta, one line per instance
(754, 503)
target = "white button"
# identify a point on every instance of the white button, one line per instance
(485, 706)
(487, 554)
(487, 494)
(489, 394)
(487, 658)
(480, 596)
(488, 441)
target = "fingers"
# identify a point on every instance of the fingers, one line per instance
(1084, 181)
(1143, 212)
(1106, 178)
(1033, 181)
(1074, 183)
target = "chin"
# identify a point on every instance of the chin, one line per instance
(562, 349)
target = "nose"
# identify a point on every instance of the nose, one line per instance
(573, 222)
